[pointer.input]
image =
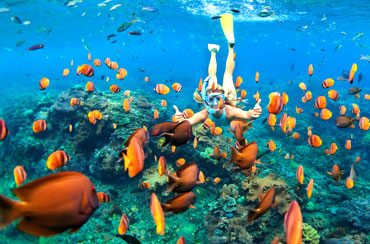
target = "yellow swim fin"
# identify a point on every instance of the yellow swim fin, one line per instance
(227, 27)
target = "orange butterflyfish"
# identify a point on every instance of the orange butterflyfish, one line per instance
(97, 62)
(357, 96)
(161, 89)
(349, 183)
(39, 126)
(162, 165)
(44, 82)
(97, 114)
(131, 99)
(200, 85)
(292, 122)
(367, 97)
(213, 126)
(126, 104)
(285, 98)
(310, 188)
(303, 86)
(216, 180)
(157, 213)
(120, 76)
(123, 225)
(275, 105)
(328, 83)
(156, 114)
(352, 73)
(293, 224)
(358, 159)
(342, 110)
(333, 95)
(65, 72)
(163, 103)
(284, 122)
(348, 145)
(115, 88)
(256, 96)
(355, 109)
(315, 114)
(70, 127)
(325, 114)
(78, 72)
(71, 62)
(103, 197)
(107, 79)
(180, 162)
(333, 148)
(127, 93)
(188, 113)
(20, 175)
(257, 77)
(107, 61)
(300, 174)
(336, 173)
(218, 131)
(89, 56)
(113, 65)
(177, 87)
(145, 185)
(243, 93)
(296, 136)
(310, 70)
(122, 71)
(57, 159)
(92, 118)
(238, 82)
(271, 120)
(201, 177)
(181, 240)
(74, 101)
(271, 145)
(173, 148)
(86, 70)
(364, 123)
(90, 86)
(320, 102)
(308, 96)
(146, 79)
(195, 142)
(314, 141)
(207, 123)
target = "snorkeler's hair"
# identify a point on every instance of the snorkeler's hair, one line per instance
(219, 89)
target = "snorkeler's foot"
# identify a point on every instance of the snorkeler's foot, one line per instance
(213, 48)
(232, 44)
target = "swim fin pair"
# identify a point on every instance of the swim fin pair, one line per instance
(228, 28)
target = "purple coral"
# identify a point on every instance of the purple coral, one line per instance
(357, 212)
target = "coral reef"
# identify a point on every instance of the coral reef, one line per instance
(357, 212)
(309, 234)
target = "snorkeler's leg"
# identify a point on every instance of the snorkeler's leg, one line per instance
(228, 83)
(212, 68)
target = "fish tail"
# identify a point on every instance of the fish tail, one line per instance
(10, 210)
(234, 155)
(172, 182)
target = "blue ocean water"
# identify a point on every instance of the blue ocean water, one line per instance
(172, 47)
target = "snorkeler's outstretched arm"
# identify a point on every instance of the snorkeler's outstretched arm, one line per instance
(197, 118)
(252, 114)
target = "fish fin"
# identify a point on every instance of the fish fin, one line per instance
(275, 204)
(261, 196)
(73, 230)
(259, 162)
(172, 181)
(121, 153)
(330, 173)
(264, 121)
(165, 207)
(32, 228)
(127, 161)
(168, 138)
(235, 155)
(84, 203)
(192, 206)
(232, 132)
(9, 210)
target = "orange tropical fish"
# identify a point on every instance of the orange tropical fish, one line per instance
(257, 77)
(328, 83)
(177, 87)
(174, 118)
(213, 126)
(86, 70)
(114, 126)
(201, 178)
(310, 188)
(308, 96)
(145, 185)
(57, 159)
(74, 101)
(349, 183)
(163, 103)
(157, 213)
(364, 123)
(293, 224)
(275, 241)
(325, 114)
(292, 122)
(173, 148)
(127, 93)
(90, 86)
(70, 128)
(107, 79)
(113, 65)
(367, 97)
(207, 123)
(315, 114)
(195, 143)
(285, 98)
(357, 96)
(181, 240)
(123, 225)
(342, 110)
(20, 175)
(97, 62)
(65, 72)
(355, 109)
(161, 89)
(333, 95)
(92, 118)
(348, 145)
(300, 174)
(271, 145)
(271, 121)
(97, 114)
(314, 140)
(162, 166)
(44, 82)
(180, 162)
(336, 173)
(103, 197)
(238, 82)
(156, 114)
(107, 61)
(200, 85)
(39, 126)
(243, 93)
(218, 131)
(284, 122)
(122, 71)
(188, 113)
(320, 102)
(89, 56)
(216, 180)
(333, 148)
(126, 105)
(256, 96)
(120, 76)
(310, 70)
(303, 86)
(358, 159)
(115, 88)
(146, 79)
(352, 73)
(134, 159)
(275, 105)
(296, 136)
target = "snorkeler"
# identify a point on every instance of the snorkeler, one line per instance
(220, 101)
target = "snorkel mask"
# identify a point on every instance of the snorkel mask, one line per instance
(211, 101)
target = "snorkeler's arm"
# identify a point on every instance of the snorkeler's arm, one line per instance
(197, 117)
(252, 114)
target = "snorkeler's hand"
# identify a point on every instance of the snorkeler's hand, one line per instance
(178, 115)
(257, 110)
